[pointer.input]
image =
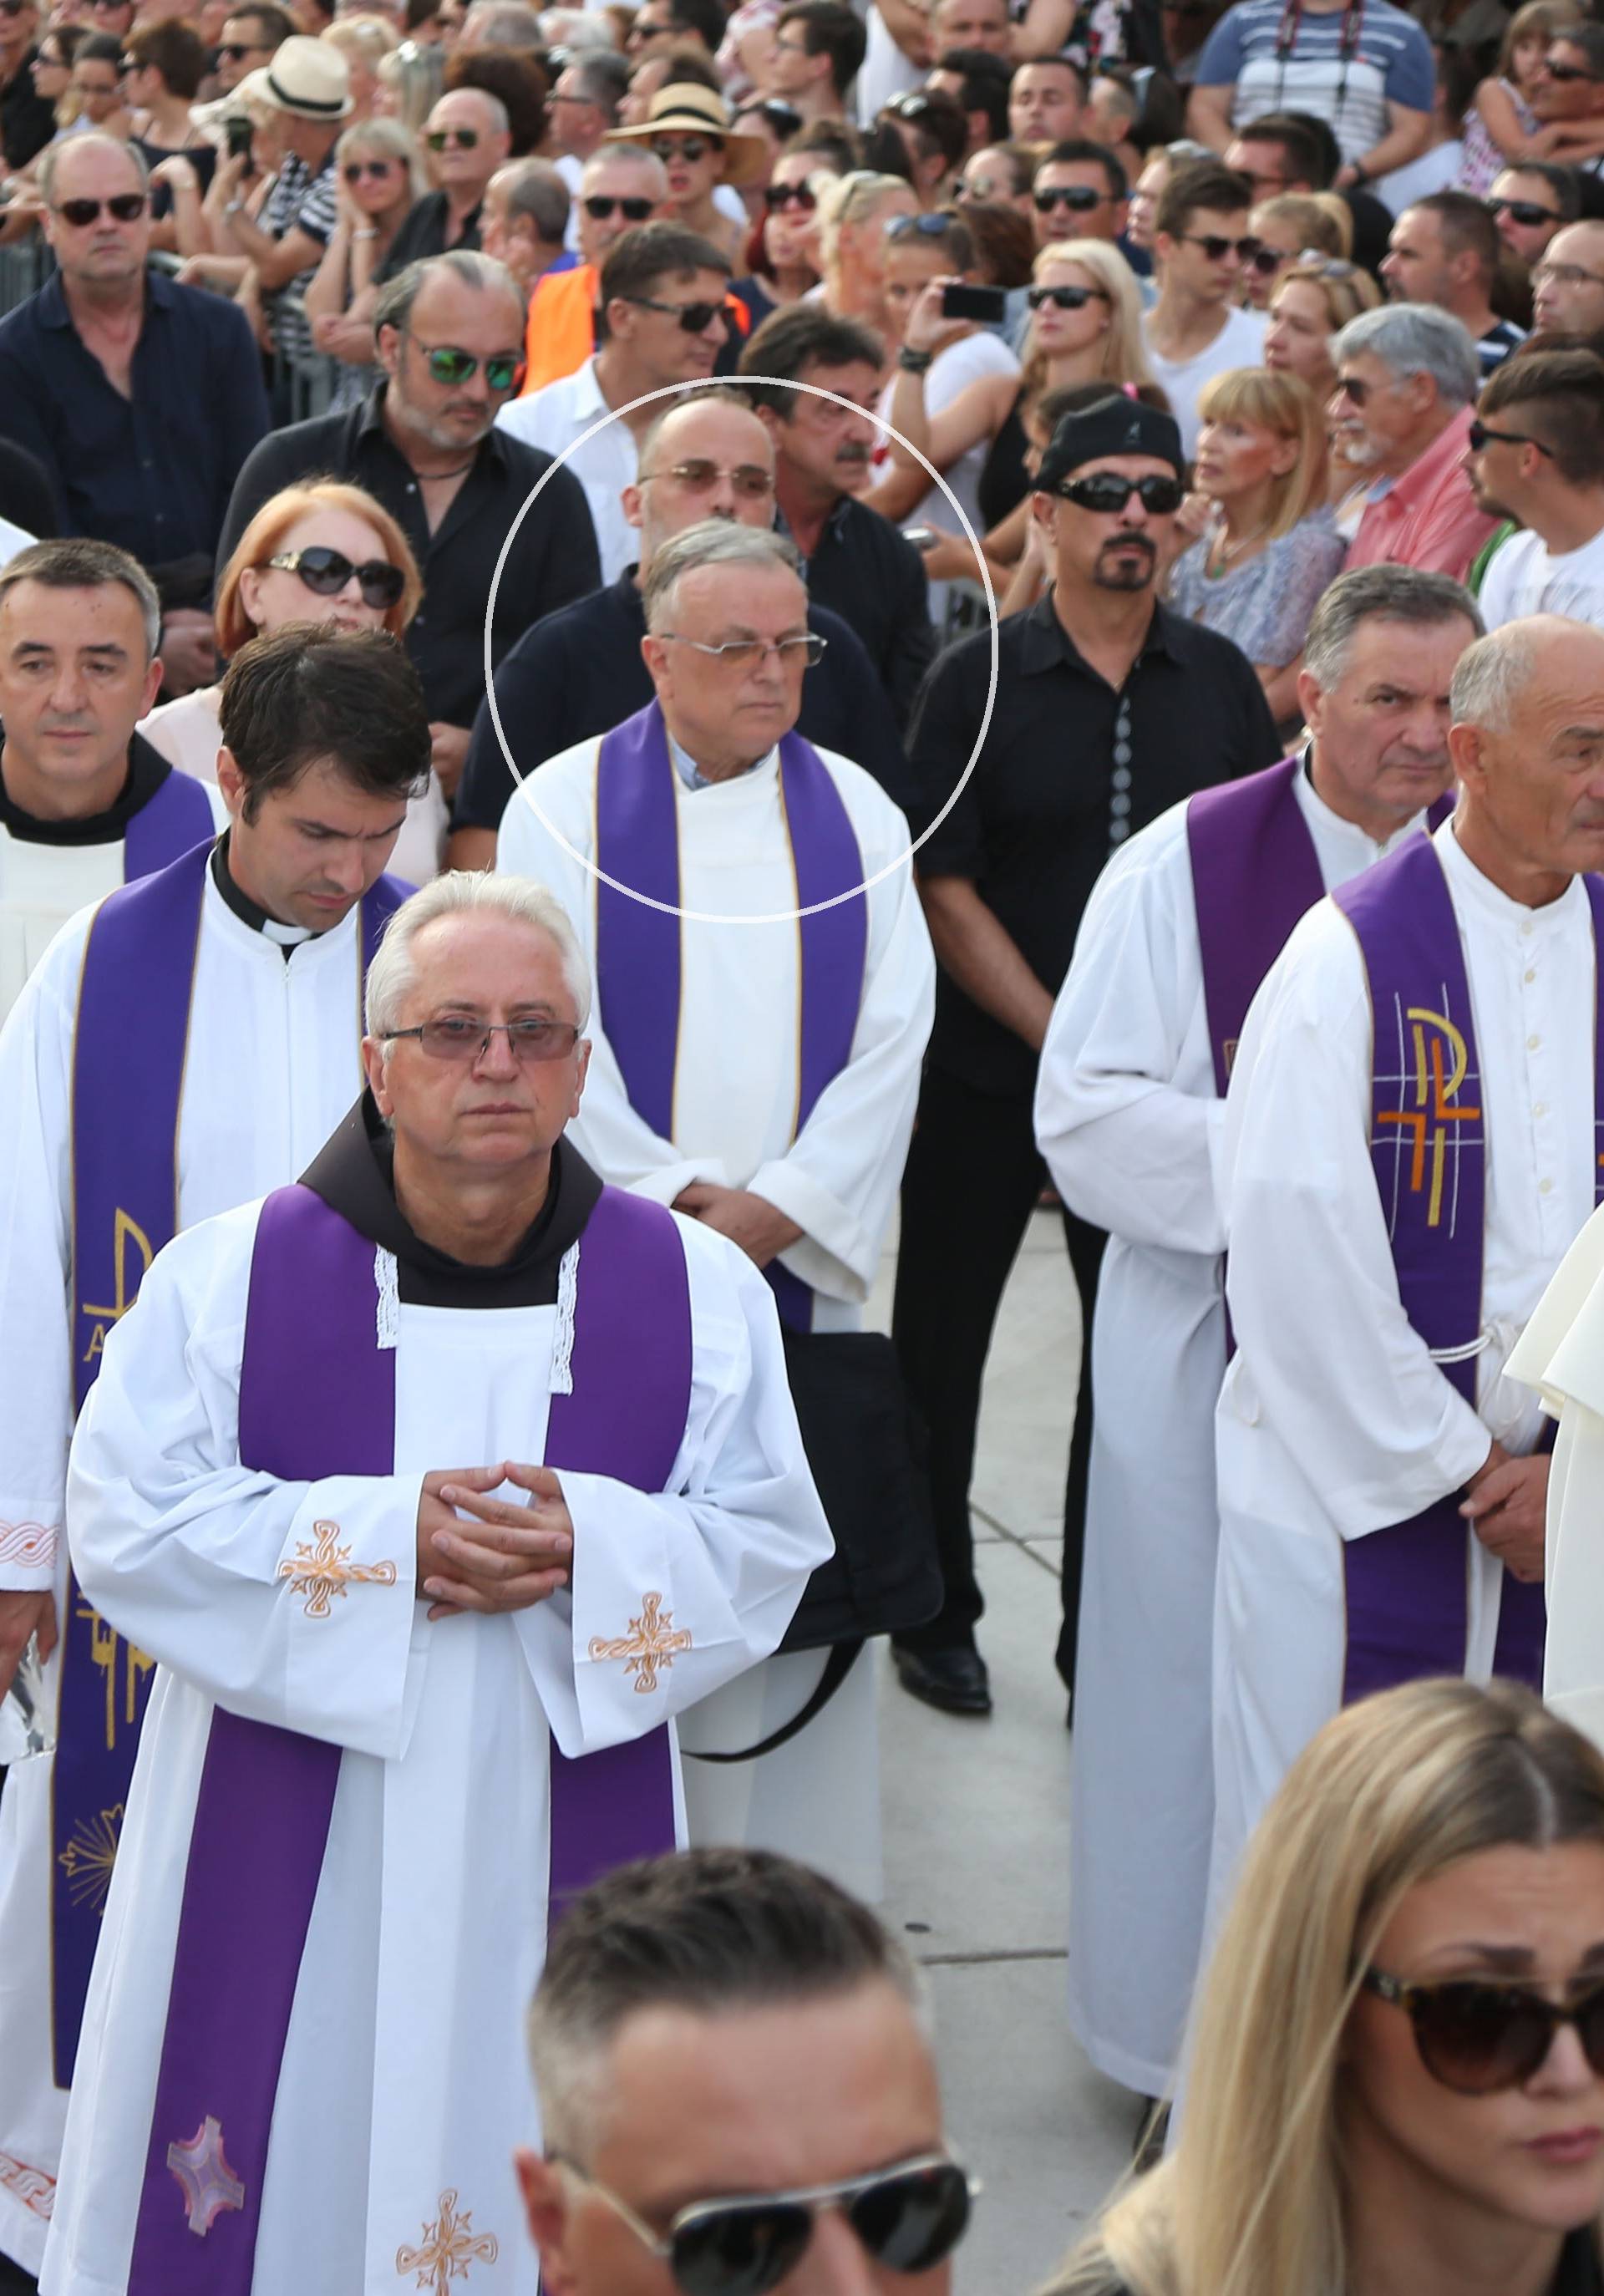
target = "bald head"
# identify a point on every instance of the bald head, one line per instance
(1528, 741)
(707, 457)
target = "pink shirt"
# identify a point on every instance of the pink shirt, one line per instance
(1429, 517)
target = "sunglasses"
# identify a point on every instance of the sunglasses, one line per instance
(632, 210)
(1080, 199)
(504, 370)
(919, 226)
(694, 318)
(356, 169)
(688, 148)
(1066, 298)
(326, 572)
(1527, 211)
(1478, 2038)
(440, 139)
(1217, 248)
(908, 2218)
(1105, 491)
(235, 50)
(699, 476)
(1479, 435)
(1266, 261)
(126, 206)
(1563, 72)
(1350, 387)
(777, 196)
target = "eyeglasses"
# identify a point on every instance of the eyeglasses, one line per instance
(776, 196)
(747, 653)
(325, 572)
(908, 2218)
(688, 148)
(919, 226)
(1478, 2038)
(1080, 199)
(235, 50)
(632, 210)
(750, 481)
(1479, 435)
(1067, 298)
(504, 370)
(455, 1037)
(1564, 274)
(1217, 248)
(1527, 211)
(464, 139)
(123, 206)
(694, 318)
(356, 169)
(1563, 72)
(1105, 491)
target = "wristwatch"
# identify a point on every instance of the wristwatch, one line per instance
(914, 362)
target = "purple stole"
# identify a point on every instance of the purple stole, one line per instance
(175, 816)
(638, 947)
(129, 1047)
(317, 1398)
(1407, 1606)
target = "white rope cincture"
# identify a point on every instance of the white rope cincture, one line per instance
(562, 1339)
(386, 1279)
(1462, 1355)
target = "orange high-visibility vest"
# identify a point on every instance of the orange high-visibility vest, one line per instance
(561, 332)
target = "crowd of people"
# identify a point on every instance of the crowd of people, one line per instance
(645, 652)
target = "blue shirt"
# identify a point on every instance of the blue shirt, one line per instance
(152, 473)
(1387, 60)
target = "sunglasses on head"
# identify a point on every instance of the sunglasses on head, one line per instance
(688, 148)
(1527, 211)
(919, 226)
(632, 210)
(504, 370)
(439, 139)
(1066, 298)
(1080, 199)
(1563, 72)
(126, 206)
(356, 169)
(694, 318)
(1106, 491)
(326, 572)
(1216, 249)
(777, 196)
(1479, 435)
(908, 2218)
(1476, 2038)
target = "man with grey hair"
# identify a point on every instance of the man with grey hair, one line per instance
(1407, 377)
(524, 220)
(1185, 922)
(760, 1077)
(1409, 1148)
(484, 1472)
(727, 2040)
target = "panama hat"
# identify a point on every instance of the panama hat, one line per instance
(308, 78)
(685, 109)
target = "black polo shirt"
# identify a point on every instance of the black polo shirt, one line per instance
(871, 575)
(1045, 806)
(581, 674)
(552, 561)
(27, 119)
(422, 233)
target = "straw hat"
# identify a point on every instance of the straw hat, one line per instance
(308, 78)
(686, 109)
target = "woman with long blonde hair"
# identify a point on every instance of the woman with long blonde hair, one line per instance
(1397, 2069)
(853, 216)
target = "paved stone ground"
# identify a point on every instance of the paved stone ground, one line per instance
(978, 1825)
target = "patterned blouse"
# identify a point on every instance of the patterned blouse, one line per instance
(1265, 605)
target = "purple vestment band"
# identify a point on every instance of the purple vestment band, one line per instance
(175, 816)
(135, 994)
(638, 948)
(317, 1398)
(1255, 873)
(1406, 1586)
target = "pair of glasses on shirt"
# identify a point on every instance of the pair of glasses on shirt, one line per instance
(694, 318)
(1080, 199)
(125, 206)
(599, 210)
(1523, 211)
(439, 139)
(326, 572)
(1216, 248)
(1106, 492)
(908, 2218)
(776, 196)
(746, 654)
(504, 370)
(455, 1037)
(698, 476)
(1478, 436)
(1477, 2037)
(1064, 298)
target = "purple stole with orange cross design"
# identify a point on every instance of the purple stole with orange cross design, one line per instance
(1407, 1584)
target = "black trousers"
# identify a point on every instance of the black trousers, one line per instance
(974, 1174)
(14, 2281)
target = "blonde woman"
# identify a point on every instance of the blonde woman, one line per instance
(853, 216)
(379, 174)
(1310, 302)
(319, 552)
(1290, 224)
(364, 42)
(1268, 545)
(1397, 2072)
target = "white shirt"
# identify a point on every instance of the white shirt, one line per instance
(968, 361)
(1524, 577)
(554, 418)
(1241, 342)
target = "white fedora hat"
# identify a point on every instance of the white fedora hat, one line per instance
(308, 78)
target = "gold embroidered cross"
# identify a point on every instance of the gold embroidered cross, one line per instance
(652, 1642)
(449, 2246)
(326, 1571)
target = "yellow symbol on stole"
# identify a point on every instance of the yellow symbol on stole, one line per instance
(449, 2246)
(652, 1642)
(1428, 1121)
(104, 1643)
(124, 1232)
(324, 1570)
(89, 1856)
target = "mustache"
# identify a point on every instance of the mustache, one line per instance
(1132, 541)
(855, 450)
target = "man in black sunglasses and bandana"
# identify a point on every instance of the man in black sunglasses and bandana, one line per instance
(1108, 708)
(736, 2086)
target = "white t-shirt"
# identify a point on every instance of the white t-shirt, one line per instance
(1241, 342)
(951, 374)
(1525, 577)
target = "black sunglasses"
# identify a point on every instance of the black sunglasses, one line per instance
(1067, 298)
(235, 49)
(1106, 491)
(688, 148)
(1217, 248)
(694, 318)
(1479, 435)
(1080, 199)
(464, 138)
(632, 210)
(1567, 71)
(1267, 261)
(919, 226)
(326, 572)
(908, 2218)
(1478, 2038)
(1525, 211)
(125, 206)
(776, 196)
(356, 169)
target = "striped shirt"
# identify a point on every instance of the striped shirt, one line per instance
(1389, 61)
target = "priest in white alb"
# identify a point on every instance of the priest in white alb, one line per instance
(754, 1066)
(181, 1047)
(1412, 1145)
(436, 1484)
(1130, 1110)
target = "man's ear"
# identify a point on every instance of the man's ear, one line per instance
(231, 782)
(546, 2198)
(373, 1070)
(1465, 748)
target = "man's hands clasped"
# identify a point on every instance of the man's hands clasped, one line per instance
(1505, 1504)
(476, 1553)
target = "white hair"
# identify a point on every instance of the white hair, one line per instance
(713, 542)
(1490, 677)
(393, 973)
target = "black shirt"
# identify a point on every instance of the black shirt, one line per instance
(871, 575)
(27, 119)
(423, 232)
(147, 771)
(25, 496)
(580, 673)
(553, 561)
(1042, 811)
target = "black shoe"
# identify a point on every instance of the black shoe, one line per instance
(954, 1680)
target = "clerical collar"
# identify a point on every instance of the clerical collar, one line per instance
(147, 770)
(354, 1173)
(235, 897)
